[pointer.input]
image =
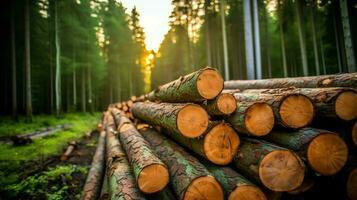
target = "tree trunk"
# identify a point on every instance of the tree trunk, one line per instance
(83, 90)
(282, 39)
(122, 183)
(13, 63)
(248, 35)
(150, 172)
(285, 103)
(258, 61)
(189, 120)
(74, 81)
(325, 152)
(337, 80)
(224, 40)
(89, 83)
(338, 46)
(223, 104)
(301, 28)
(235, 186)
(314, 38)
(188, 177)
(58, 63)
(28, 63)
(218, 145)
(207, 34)
(350, 56)
(198, 86)
(275, 167)
(93, 184)
(267, 42)
(252, 118)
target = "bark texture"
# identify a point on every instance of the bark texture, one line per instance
(335, 80)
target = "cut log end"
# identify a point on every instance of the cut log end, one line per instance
(221, 144)
(281, 170)
(354, 134)
(192, 121)
(206, 187)
(153, 178)
(327, 154)
(247, 192)
(209, 83)
(352, 184)
(259, 119)
(226, 103)
(296, 111)
(346, 105)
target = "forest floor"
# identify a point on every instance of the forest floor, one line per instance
(35, 171)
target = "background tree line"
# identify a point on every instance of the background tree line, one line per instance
(68, 55)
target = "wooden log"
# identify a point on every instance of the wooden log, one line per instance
(71, 146)
(188, 177)
(277, 168)
(150, 172)
(352, 184)
(325, 152)
(104, 194)
(92, 187)
(133, 98)
(235, 186)
(291, 109)
(190, 120)
(223, 104)
(252, 118)
(122, 183)
(198, 86)
(334, 80)
(219, 145)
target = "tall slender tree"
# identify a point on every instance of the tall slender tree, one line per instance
(28, 63)
(302, 41)
(314, 37)
(258, 61)
(13, 62)
(58, 62)
(224, 40)
(249, 48)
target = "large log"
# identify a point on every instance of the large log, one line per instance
(223, 104)
(219, 145)
(277, 168)
(198, 86)
(334, 80)
(188, 177)
(190, 120)
(291, 109)
(324, 151)
(121, 181)
(235, 186)
(93, 184)
(150, 172)
(252, 118)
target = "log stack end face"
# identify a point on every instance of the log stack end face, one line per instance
(281, 170)
(296, 111)
(259, 119)
(247, 192)
(226, 103)
(327, 154)
(346, 105)
(221, 144)
(153, 178)
(192, 121)
(205, 187)
(209, 83)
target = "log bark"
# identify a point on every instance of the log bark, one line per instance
(190, 120)
(223, 104)
(93, 185)
(150, 172)
(277, 168)
(219, 145)
(198, 86)
(188, 177)
(121, 181)
(235, 186)
(252, 118)
(68, 151)
(291, 108)
(334, 80)
(324, 151)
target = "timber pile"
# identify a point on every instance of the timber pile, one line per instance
(199, 137)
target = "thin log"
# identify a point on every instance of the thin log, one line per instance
(223, 104)
(198, 86)
(277, 168)
(335, 80)
(72, 145)
(190, 120)
(92, 187)
(325, 152)
(150, 172)
(188, 177)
